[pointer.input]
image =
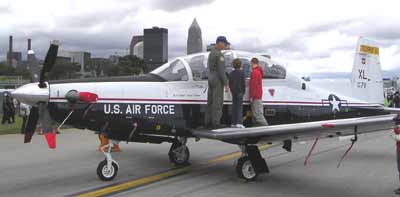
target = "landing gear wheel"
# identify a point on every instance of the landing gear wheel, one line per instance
(245, 169)
(105, 173)
(179, 154)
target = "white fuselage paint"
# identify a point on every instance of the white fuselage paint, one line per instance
(286, 92)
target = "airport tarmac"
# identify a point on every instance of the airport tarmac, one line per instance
(70, 170)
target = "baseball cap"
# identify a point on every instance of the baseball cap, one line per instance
(222, 39)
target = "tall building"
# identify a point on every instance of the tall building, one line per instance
(31, 54)
(30, 58)
(135, 40)
(155, 47)
(29, 44)
(15, 58)
(138, 50)
(10, 51)
(195, 41)
(80, 57)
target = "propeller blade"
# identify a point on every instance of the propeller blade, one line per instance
(45, 118)
(31, 124)
(48, 64)
(47, 125)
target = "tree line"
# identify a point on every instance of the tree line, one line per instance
(64, 69)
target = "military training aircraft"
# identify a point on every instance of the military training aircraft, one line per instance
(168, 105)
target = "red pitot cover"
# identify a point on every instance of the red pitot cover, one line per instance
(88, 97)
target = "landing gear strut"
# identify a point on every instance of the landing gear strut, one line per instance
(108, 168)
(250, 164)
(179, 153)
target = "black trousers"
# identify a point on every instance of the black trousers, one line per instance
(398, 161)
(6, 117)
(23, 126)
(237, 109)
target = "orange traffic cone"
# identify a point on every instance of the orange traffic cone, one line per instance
(104, 141)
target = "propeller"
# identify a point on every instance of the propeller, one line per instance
(48, 64)
(40, 113)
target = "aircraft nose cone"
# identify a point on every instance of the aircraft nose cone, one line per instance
(31, 94)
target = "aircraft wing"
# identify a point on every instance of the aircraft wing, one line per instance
(392, 110)
(329, 128)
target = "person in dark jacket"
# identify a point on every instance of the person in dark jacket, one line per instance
(255, 94)
(6, 109)
(396, 136)
(238, 87)
(396, 100)
(12, 107)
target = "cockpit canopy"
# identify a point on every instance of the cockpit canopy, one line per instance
(195, 65)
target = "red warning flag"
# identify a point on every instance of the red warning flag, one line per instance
(51, 139)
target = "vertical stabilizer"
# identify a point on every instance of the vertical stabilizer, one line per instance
(366, 79)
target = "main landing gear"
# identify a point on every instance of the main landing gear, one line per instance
(250, 164)
(108, 168)
(179, 153)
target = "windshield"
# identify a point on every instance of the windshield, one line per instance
(198, 65)
(175, 71)
(271, 70)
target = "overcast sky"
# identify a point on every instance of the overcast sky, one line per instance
(308, 35)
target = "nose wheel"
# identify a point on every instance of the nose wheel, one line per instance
(107, 169)
(105, 172)
(179, 153)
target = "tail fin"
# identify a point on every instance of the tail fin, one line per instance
(366, 79)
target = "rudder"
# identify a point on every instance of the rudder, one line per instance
(366, 80)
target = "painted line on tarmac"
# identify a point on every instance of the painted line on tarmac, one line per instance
(133, 184)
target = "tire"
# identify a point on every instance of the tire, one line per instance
(245, 169)
(179, 158)
(105, 174)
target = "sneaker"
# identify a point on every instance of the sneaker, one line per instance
(240, 126)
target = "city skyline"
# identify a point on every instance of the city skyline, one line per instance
(317, 39)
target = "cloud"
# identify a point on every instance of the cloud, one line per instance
(176, 5)
(4, 9)
(307, 39)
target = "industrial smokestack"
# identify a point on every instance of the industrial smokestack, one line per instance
(29, 44)
(10, 51)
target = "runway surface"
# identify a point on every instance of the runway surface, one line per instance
(34, 170)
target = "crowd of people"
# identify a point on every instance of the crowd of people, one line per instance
(392, 100)
(11, 107)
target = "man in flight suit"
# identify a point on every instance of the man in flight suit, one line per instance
(216, 81)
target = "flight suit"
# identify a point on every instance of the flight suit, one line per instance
(216, 81)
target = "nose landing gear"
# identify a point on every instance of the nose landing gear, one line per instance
(108, 168)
